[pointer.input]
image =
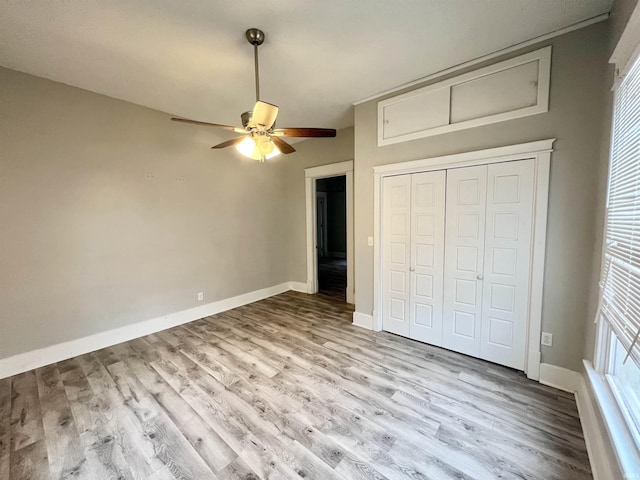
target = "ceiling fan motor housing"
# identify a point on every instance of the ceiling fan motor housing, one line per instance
(247, 120)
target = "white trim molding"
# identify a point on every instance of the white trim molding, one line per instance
(311, 175)
(614, 429)
(467, 159)
(628, 47)
(24, 362)
(363, 320)
(595, 434)
(560, 378)
(300, 287)
(540, 152)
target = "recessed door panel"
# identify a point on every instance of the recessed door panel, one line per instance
(398, 253)
(424, 285)
(500, 332)
(464, 259)
(396, 250)
(397, 282)
(423, 315)
(505, 302)
(504, 261)
(464, 325)
(425, 224)
(427, 255)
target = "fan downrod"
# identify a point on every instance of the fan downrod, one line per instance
(255, 36)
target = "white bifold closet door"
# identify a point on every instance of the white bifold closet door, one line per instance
(396, 254)
(413, 255)
(507, 260)
(487, 257)
(456, 258)
(464, 259)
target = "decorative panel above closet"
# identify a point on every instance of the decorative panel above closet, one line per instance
(514, 88)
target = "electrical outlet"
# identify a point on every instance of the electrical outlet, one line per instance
(200, 296)
(370, 241)
(547, 339)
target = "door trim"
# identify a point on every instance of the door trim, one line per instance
(311, 175)
(540, 152)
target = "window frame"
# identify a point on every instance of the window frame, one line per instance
(603, 367)
(618, 419)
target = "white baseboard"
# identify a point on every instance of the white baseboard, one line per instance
(363, 320)
(560, 378)
(595, 434)
(24, 362)
(299, 287)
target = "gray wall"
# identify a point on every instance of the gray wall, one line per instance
(577, 105)
(310, 153)
(111, 214)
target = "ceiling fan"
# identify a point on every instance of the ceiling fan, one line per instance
(260, 139)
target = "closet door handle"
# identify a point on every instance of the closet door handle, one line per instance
(412, 269)
(479, 277)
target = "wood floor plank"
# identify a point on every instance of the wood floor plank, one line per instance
(285, 388)
(213, 450)
(64, 448)
(26, 417)
(241, 428)
(237, 470)
(30, 462)
(127, 430)
(103, 452)
(170, 445)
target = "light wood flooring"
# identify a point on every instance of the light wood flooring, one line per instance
(284, 388)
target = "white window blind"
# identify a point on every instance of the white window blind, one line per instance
(620, 281)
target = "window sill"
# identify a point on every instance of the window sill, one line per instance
(620, 435)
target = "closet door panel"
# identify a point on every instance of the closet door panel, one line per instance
(396, 204)
(427, 256)
(464, 259)
(505, 302)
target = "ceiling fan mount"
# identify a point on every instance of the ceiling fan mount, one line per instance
(261, 140)
(255, 36)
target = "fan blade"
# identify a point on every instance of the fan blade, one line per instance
(264, 114)
(229, 143)
(304, 132)
(196, 122)
(283, 146)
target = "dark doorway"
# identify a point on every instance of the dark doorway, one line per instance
(331, 241)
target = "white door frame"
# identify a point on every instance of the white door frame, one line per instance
(540, 152)
(311, 175)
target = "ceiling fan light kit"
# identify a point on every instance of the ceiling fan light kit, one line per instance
(261, 140)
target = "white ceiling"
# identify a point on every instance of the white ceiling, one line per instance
(190, 57)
